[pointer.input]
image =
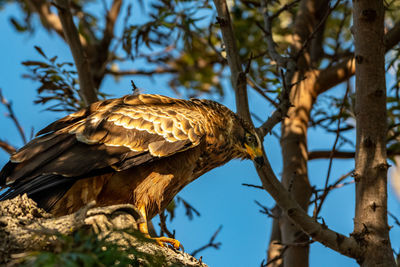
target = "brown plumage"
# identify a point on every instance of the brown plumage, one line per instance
(139, 149)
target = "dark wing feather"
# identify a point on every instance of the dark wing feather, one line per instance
(110, 135)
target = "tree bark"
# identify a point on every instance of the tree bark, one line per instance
(370, 223)
(295, 176)
(86, 84)
(295, 127)
(25, 228)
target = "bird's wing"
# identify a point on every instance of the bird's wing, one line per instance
(109, 135)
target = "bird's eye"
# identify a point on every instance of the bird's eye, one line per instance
(251, 139)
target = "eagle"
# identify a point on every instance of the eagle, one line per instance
(139, 149)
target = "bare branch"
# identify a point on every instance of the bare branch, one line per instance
(323, 154)
(87, 89)
(396, 220)
(12, 116)
(316, 29)
(7, 147)
(281, 61)
(392, 37)
(259, 90)
(158, 70)
(280, 113)
(272, 213)
(190, 211)
(278, 257)
(332, 152)
(254, 186)
(163, 225)
(328, 189)
(238, 76)
(284, 8)
(210, 244)
(111, 18)
(345, 245)
(340, 72)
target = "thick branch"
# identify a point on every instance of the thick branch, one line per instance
(238, 76)
(24, 228)
(318, 232)
(111, 18)
(339, 73)
(87, 89)
(370, 220)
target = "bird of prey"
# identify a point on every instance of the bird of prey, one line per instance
(139, 149)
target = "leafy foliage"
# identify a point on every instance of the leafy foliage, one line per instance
(58, 83)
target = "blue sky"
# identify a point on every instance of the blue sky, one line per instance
(218, 195)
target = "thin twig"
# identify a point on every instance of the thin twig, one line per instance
(332, 152)
(336, 184)
(12, 116)
(189, 209)
(274, 259)
(259, 90)
(141, 72)
(210, 244)
(396, 220)
(7, 147)
(280, 113)
(163, 225)
(284, 8)
(255, 186)
(267, 211)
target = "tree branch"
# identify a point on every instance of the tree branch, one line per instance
(48, 18)
(12, 116)
(210, 243)
(319, 232)
(87, 89)
(111, 18)
(163, 226)
(158, 70)
(280, 113)
(332, 151)
(340, 72)
(325, 154)
(7, 147)
(238, 76)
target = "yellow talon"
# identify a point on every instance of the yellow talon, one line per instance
(160, 240)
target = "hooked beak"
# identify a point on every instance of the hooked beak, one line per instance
(255, 154)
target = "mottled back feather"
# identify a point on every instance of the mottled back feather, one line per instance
(112, 135)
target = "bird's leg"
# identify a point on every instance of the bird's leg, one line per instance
(160, 240)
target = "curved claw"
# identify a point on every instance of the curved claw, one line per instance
(175, 243)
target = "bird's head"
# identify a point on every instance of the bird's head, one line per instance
(248, 143)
